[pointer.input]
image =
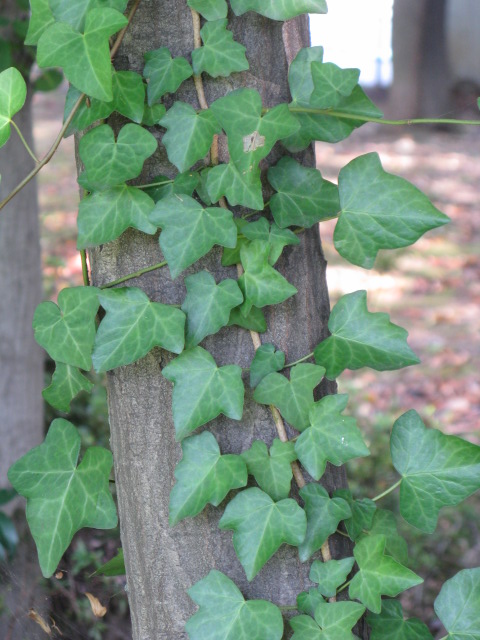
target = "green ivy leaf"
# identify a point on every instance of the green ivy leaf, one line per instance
(253, 321)
(331, 84)
(41, 18)
(164, 74)
(202, 391)
(458, 604)
(279, 9)
(210, 9)
(189, 134)
(204, 477)
(232, 256)
(378, 574)
(362, 513)
(330, 437)
(303, 197)
(239, 187)
(294, 397)
(183, 184)
(224, 614)
(84, 57)
(272, 471)
(67, 382)
(437, 470)
(129, 94)
(362, 339)
(384, 523)
(308, 601)
(109, 162)
(272, 234)
(189, 231)
(300, 76)
(114, 567)
(153, 114)
(261, 526)
(61, 496)
(208, 305)
(220, 55)
(132, 326)
(390, 624)
(261, 284)
(87, 113)
(74, 13)
(265, 361)
(379, 211)
(323, 515)
(330, 575)
(67, 331)
(105, 215)
(333, 621)
(13, 93)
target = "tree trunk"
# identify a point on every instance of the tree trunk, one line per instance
(421, 78)
(162, 563)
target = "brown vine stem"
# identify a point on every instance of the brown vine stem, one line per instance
(197, 41)
(121, 35)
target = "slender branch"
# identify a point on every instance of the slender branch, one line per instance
(154, 184)
(344, 586)
(385, 493)
(130, 276)
(292, 364)
(86, 279)
(197, 40)
(24, 142)
(121, 35)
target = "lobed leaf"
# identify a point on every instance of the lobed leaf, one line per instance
(458, 604)
(271, 470)
(202, 391)
(362, 513)
(40, 19)
(163, 73)
(220, 55)
(279, 9)
(272, 234)
(331, 574)
(437, 470)
(210, 9)
(384, 523)
(331, 84)
(308, 601)
(253, 321)
(265, 361)
(333, 621)
(204, 476)
(129, 95)
(61, 496)
(390, 623)
(362, 339)
(13, 93)
(75, 13)
(67, 382)
(239, 187)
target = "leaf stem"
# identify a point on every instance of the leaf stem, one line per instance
(136, 274)
(385, 493)
(344, 586)
(154, 184)
(292, 364)
(342, 533)
(83, 256)
(24, 142)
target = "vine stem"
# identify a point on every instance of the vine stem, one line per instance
(24, 142)
(121, 35)
(197, 41)
(385, 493)
(344, 586)
(292, 364)
(86, 279)
(136, 274)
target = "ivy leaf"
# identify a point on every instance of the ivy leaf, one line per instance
(67, 382)
(272, 234)
(153, 114)
(239, 187)
(265, 361)
(84, 57)
(164, 74)
(261, 284)
(189, 134)
(210, 9)
(75, 13)
(294, 397)
(189, 231)
(308, 601)
(384, 523)
(437, 470)
(458, 604)
(114, 567)
(129, 94)
(253, 321)
(183, 184)
(208, 305)
(220, 55)
(362, 339)
(232, 256)
(261, 526)
(86, 114)
(379, 211)
(67, 331)
(279, 9)
(202, 391)
(204, 477)
(272, 471)
(300, 75)
(303, 197)
(41, 18)
(331, 84)
(323, 515)
(105, 215)
(61, 496)
(13, 93)
(362, 513)
(378, 574)
(330, 575)
(330, 437)
(390, 624)
(132, 326)
(333, 621)
(109, 162)
(225, 614)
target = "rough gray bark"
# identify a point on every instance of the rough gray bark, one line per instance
(162, 563)
(421, 76)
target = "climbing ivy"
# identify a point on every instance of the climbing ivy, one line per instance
(375, 211)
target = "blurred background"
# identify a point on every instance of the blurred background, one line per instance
(417, 58)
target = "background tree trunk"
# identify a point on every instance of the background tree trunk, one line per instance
(162, 563)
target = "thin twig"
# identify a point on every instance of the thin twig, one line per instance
(24, 142)
(121, 35)
(130, 276)
(197, 41)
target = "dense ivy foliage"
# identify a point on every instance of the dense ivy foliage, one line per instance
(375, 211)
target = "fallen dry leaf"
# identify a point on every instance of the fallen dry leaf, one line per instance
(36, 617)
(97, 607)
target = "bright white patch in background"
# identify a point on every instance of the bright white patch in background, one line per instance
(357, 34)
